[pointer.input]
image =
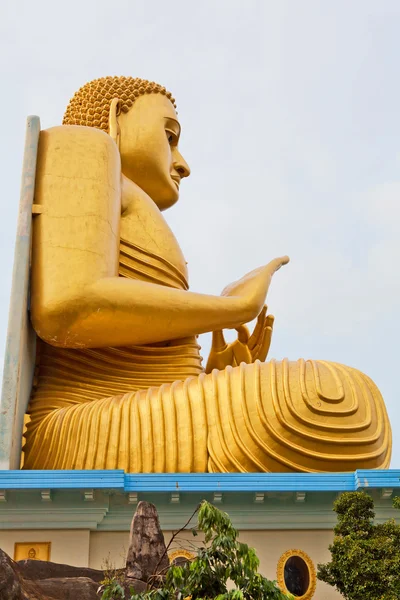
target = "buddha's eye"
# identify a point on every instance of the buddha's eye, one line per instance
(171, 137)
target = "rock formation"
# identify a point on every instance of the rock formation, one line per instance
(147, 555)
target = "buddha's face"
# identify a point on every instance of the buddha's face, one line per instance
(149, 135)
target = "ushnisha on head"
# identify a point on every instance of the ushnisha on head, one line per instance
(140, 116)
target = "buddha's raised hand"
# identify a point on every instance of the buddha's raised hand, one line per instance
(252, 289)
(247, 348)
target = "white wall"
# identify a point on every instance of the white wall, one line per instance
(96, 549)
(108, 547)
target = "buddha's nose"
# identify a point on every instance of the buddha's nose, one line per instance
(181, 166)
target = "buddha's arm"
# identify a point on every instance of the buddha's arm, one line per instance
(115, 311)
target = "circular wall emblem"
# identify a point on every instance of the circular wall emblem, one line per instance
(180, 556)
(296, 574)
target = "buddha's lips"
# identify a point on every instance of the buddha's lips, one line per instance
(176, 180)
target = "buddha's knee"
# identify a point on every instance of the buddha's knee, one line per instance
(298, 416)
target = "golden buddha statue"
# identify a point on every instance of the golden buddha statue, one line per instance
(119, 380)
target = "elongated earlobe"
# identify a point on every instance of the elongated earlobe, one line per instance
(113, 125)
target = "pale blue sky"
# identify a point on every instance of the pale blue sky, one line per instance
(290, 117)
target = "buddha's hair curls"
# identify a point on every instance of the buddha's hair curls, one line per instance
(90, 105)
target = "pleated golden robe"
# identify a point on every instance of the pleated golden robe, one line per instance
(152, 409)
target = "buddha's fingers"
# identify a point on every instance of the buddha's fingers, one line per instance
(265, 346)
(276, 264)
(260, 352)
(243, 334)
(241, 354)
(218, 341)
(269, 321)
(221, 353)
(241, 351)
(257, 335)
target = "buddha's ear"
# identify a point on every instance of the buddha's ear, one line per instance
(113, 125)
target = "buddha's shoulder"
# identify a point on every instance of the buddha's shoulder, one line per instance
(143, 224)
(87, 141)
(78, 154)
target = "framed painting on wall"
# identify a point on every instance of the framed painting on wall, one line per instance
(32, 550)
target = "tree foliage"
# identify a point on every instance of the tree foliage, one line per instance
(221, 563)
(365, 563)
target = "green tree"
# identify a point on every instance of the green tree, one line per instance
(365, 562)
(220, 563)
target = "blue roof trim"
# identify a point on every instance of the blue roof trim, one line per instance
(117, 480)
(28, 480)
(239, 482)
(377, 479)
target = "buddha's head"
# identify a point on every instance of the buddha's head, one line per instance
(141, 117)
